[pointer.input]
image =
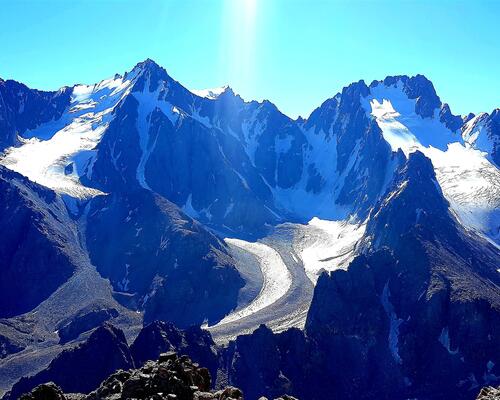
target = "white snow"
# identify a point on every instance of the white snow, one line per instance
(401, 126)
(212, 93)
(470, 182)
(277, 280)
(321, 154)
(327, 245)
(58, 153)
(148, 102)
(475, 134)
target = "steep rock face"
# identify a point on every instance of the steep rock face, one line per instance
(267, 364)
(427, 303)
(175, 269)
(85, 320)
(161, 139)
(171, 376)
(82, 368)
(38, 254)
(242, 165)
(358, 163)
(22, 109)
(208, 173)
(160, 337)
(273, 142)
(414, 203)
(416, 314)
(417, 88)
(453, 122)
(483, 133)
(495, 135)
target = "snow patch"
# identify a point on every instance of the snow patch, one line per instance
(56, 154)
(148, 102)
(211, 94)
(401, 126)
(468, 179)
(327, 245)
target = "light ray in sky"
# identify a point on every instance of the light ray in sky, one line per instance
(239, 42)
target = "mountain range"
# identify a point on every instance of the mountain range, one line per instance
(352, 254)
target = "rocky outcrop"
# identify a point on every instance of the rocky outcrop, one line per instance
(416, 314)
(83, 367)
(160, 337)
(268, 364)
(160, 260)
(22, 108)
(86, 319)
(171, 377)
(40, 251)
(45, 391)
(489, 393)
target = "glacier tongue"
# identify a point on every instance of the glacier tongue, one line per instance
(277, 279)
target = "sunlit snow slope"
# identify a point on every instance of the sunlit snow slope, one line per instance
(327, 245)
(468, 178)
(58, 153)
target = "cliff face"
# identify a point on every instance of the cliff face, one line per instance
(129, 185)
(106, 358)
(82, 368)
(416, 314)
(40, 251)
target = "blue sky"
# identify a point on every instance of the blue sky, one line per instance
(294, 53)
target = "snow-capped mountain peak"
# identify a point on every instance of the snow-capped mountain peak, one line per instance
(145, 129)
(212, 93)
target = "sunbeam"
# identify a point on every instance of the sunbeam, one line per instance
(239, 42)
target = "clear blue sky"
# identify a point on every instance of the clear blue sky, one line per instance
(294, 53)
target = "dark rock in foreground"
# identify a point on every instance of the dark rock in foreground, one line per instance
(160, 337)
(171, 377)
(80, 369)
